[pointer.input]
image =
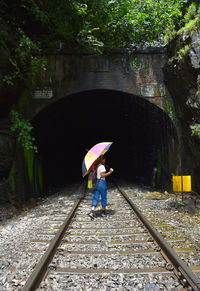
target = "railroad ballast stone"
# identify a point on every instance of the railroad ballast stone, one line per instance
(19, 254)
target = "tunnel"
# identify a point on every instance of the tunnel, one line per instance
(143, 136)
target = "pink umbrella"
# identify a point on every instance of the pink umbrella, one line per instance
(91, 156)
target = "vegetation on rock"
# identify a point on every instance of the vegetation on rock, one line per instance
(30, 28)
(191, 20)
(22, 128)
(195, 128)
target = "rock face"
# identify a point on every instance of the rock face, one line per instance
(7, 151)
(182, 74)
(7, 146)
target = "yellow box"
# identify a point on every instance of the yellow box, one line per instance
(177, 185)
(187, 184)
(182, 183)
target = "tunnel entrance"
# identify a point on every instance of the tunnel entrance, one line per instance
(143, 137)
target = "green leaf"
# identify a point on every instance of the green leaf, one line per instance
(22, 128)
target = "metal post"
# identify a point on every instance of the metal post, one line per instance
(182, 187)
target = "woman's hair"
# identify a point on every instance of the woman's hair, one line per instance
(98, 161)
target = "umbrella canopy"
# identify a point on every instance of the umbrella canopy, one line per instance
(93, 154)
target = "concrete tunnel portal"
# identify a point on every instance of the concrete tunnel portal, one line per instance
(143, 137)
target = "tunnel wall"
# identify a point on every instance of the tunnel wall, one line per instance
(137, 73)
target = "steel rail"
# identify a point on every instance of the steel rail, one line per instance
(38, 273)
(179, 264)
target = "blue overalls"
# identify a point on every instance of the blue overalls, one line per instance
(100, 189)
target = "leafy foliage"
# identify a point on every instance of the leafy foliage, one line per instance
(183, 51)
(30, 28)
(190, 12)
(110, 23)
(195, 128)
(191, 19)
(22, 128)
(22, 59)
(19, 53)
(169, 109)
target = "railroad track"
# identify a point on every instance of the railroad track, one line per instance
(119, 252)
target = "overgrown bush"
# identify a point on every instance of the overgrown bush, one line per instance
(195, 129)
(30, 28)
(22, 128)
(191, 19)
(190, 12)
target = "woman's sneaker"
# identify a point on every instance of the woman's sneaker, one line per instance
(92, 214)
(103, 213)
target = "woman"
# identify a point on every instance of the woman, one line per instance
(101, 187)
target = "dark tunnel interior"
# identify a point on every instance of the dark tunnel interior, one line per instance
(140, 132)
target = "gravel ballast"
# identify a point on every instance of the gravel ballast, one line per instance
(20, 253)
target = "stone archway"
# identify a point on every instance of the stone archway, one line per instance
(139, 73)
(133, 80)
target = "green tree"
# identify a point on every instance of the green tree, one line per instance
(29, 28)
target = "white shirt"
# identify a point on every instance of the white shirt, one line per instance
(101, 169)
